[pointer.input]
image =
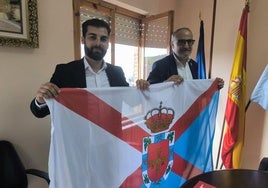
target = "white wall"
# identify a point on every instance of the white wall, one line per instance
(158, 6)
(256, 136)
(227, 23)
(187, 15)
(21, 73)
(23, 70)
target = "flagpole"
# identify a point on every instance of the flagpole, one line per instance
(223, 126)
(212, 39)
(209, 73)
(230, 147)
(218, 157)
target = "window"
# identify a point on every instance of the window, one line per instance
(136, 41)
(157, 33)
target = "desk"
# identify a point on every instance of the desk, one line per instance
(238, 178)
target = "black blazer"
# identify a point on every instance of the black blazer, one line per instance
(72, 75)
(166, 67)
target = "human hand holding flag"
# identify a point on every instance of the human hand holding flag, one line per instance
(99, 139)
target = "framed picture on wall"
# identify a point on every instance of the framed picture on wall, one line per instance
(19, 23)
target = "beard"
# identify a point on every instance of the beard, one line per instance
(95, 52)
(184, 53)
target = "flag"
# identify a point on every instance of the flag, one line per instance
(260, 92)
(235, 108)
(200, 56)
(124, 137)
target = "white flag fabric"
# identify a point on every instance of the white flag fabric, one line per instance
(123, 137)
(260, 92)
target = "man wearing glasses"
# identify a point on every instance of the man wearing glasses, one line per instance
(177, 66)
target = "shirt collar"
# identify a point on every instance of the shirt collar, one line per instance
(178, 61)
(88, 67)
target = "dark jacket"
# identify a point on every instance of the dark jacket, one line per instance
(166, 67)
(72, 75)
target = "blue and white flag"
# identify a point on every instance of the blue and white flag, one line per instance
(260, 92)
(128, 138)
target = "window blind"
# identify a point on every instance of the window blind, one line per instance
(156, 33)
(127, 30)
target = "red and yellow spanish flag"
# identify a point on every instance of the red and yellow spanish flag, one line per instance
(235, 108)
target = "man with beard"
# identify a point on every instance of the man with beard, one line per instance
(177, 66)
(89, 72)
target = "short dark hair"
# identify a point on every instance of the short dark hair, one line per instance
(96, 23)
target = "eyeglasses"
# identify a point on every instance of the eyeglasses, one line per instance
(182, 42)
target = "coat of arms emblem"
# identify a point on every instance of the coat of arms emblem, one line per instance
(157, 157)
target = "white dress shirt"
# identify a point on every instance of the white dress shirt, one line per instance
(96, 79)
(183, 71)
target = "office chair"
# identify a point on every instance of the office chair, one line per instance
(264, 164)
(12, 172)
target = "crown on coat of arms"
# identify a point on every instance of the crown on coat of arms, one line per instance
(159, 119)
